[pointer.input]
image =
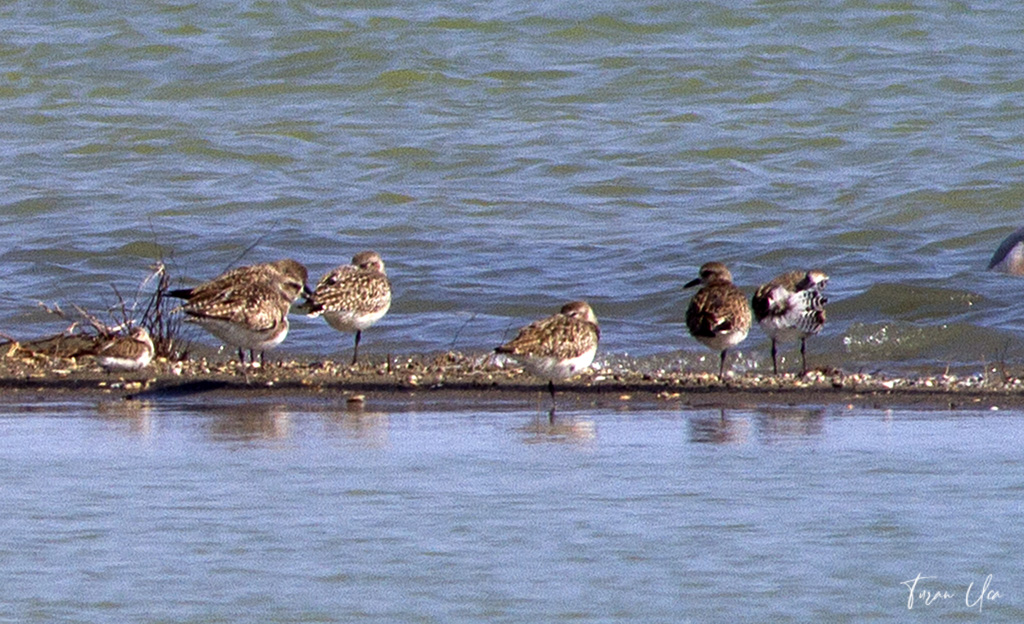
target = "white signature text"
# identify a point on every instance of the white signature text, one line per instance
(923, 593)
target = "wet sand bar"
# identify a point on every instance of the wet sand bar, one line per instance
(456, 381)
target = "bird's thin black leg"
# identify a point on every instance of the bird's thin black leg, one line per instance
(355, 350)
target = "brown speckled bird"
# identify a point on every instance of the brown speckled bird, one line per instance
(352, 297)
(247, 307)
(558, 347)
(125, 353)
(718, 315)
(791, 306)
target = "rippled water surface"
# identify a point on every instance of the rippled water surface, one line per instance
(269, 512)
(507, 157)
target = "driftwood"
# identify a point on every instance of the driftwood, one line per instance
(60, 345)
(87, 332)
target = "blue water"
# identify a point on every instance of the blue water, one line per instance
(268, 512)
(506, 158)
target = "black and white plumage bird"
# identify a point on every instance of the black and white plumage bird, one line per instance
(1009, 256)
(791, 307)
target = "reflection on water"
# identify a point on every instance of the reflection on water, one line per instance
(720, 429)
(559, 428)
(357, 424)
(135, 416)
(254, 421)
(248, 422)
(781, 424)
(772, 425)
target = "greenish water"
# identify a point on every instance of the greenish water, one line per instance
(507, 157)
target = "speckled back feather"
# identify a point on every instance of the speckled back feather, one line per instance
(360, 289)
(716, 309)
(137, 343)
(287, 278)
(254, 305)
(568, 334)
(719, 308)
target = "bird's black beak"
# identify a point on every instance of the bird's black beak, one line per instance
(692, 283)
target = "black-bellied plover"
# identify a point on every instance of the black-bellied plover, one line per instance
(352, 297)
(791, 306)
(247, 307)
(557, 347)
(718, 315)
(1009, 256)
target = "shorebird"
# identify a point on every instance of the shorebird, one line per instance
(719, 315)
(1009, 256)
(791, 306)
(247, 307)
(352, 297)
(125, 353)
(557, 347)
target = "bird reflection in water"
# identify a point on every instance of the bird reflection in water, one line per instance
(251, 421)
(137, 416)
(561, 428)
(356, 423)
(777, 424)
(719, 429)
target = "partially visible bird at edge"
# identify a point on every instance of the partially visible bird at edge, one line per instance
(1009, 256)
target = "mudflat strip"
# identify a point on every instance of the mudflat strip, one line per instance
(456, 379)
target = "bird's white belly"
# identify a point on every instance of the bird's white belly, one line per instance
(123, 363)
(780, 329)
(345, 321)
(550, 367)
(243, 337)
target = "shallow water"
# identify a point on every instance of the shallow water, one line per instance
(232, 512)
(507, 157)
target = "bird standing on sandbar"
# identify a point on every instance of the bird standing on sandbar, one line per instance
(791, 306)
(125, 353)
(718, 315)
(247, 307)
(352, 297)
(558, 347)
